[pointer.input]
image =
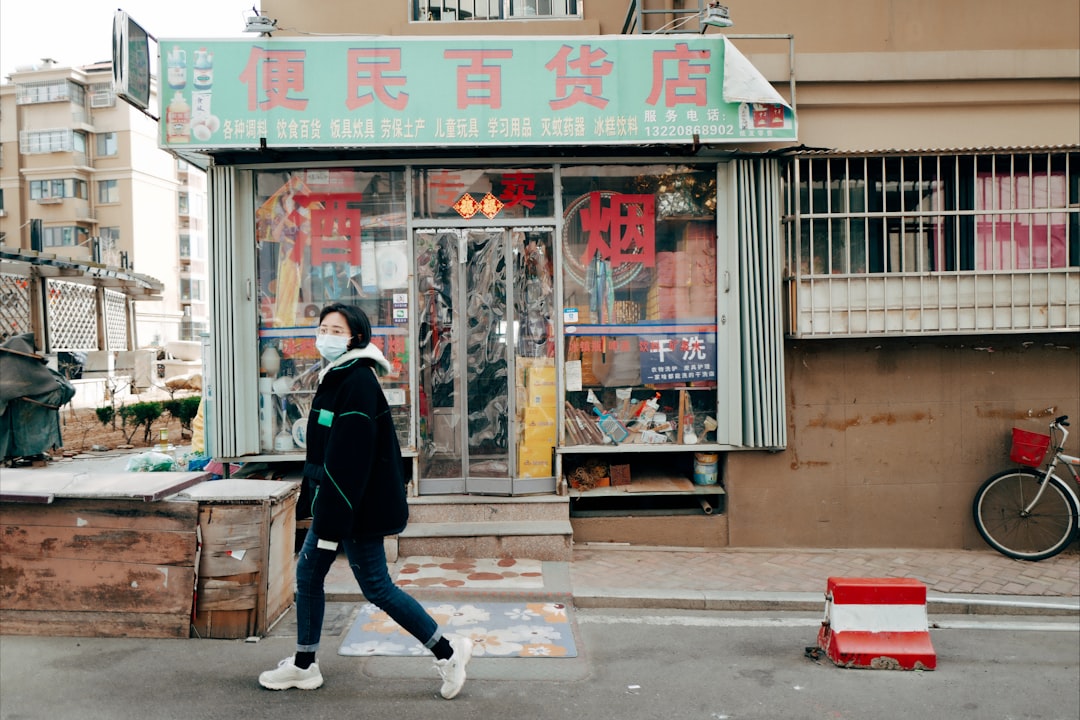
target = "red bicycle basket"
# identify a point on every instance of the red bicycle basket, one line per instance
(1028, 448)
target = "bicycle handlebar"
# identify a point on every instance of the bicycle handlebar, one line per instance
(1063, 420)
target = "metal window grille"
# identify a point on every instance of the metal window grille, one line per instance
(72, 315)
(455, 10)
(14, 305)
(933, 244)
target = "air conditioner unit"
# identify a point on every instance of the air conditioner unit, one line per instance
(102, 98)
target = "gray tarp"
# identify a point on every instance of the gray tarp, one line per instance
(31, 394)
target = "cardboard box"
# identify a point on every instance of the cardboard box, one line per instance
(541, 396)
(534, 468)
(537, 435)
(538, 416)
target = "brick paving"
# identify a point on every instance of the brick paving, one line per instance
(978, 572)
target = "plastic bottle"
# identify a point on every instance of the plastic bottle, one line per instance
(177, 67)
(178, 120)
(203, 78)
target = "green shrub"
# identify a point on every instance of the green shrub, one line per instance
(106, 415)
(142, 414)
(184, 409)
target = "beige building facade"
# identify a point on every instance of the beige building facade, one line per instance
(83, 180)
(877, 300)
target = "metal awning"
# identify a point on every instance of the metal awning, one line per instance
(30, 263)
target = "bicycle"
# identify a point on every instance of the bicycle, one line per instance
(1029, 513)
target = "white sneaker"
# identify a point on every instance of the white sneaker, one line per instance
(286, 675)
(452, 669)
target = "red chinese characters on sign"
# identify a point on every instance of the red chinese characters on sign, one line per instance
(478, 82)
(276, 73)
(587, 344)
(630, 223)
(587, 86)
(368, 68)
(689, 83)
(335, 227)
(445, 188)
(518, 189)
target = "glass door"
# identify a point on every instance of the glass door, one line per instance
(463, 362)
(481, 306)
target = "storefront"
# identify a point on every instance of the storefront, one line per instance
(569, 252)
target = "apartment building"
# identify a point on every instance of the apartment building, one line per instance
(699, 312)
(82, 180)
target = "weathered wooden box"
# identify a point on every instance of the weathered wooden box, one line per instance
(247, 532)
(106, 555)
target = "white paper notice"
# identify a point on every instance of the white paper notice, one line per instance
(573, 375)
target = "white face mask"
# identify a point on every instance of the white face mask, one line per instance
(332, 347)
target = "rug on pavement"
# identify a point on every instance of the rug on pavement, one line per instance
(424, 571)
(498, 629)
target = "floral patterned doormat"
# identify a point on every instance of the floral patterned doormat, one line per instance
(503, 629)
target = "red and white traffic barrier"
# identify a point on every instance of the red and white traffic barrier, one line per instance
(877, 623)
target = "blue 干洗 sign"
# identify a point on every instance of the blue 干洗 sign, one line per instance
(677, 358)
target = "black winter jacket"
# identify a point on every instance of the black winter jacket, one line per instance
(353, 456)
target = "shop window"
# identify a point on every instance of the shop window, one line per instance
(639, 305)
(481, 195)
(330, 235)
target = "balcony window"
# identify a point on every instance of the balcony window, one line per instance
(50, 91)
(933, 243)
(45, 141)
(65, 236)
(191, 290)
(106, 144)
(108, 191)
(60, 188)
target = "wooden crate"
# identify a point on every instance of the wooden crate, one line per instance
(90, 567)
(246, 559)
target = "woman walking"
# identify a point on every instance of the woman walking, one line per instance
(354, 463)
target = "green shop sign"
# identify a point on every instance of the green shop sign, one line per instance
(476, 91)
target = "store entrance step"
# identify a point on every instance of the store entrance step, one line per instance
(532, 539)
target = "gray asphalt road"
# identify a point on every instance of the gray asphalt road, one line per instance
(632, 665)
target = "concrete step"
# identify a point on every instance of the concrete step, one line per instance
(533, 539)
(483, 508)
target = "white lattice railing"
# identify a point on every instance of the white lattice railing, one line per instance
(72, 314)
(116, 336)
(14, 305)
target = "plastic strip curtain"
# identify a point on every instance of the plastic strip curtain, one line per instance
(761, 320)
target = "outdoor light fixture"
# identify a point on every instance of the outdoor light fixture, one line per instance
(260, 23)
(717, 15)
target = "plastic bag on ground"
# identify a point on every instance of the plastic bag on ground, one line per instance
(151, 462)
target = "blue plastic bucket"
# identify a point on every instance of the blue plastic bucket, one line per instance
(705, 468)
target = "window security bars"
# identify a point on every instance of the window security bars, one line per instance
(454, 10)
(938, 244)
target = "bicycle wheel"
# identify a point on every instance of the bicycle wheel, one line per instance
(999, 515)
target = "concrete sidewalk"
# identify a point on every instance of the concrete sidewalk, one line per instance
(958, 581)
(616, 575)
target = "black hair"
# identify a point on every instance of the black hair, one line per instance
(359, 325)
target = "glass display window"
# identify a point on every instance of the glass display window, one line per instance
(639, 273)
(323, 236)
(474, 193)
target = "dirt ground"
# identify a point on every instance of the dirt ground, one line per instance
(81, 431)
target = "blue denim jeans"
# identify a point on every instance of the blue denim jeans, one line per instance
(367, 558)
